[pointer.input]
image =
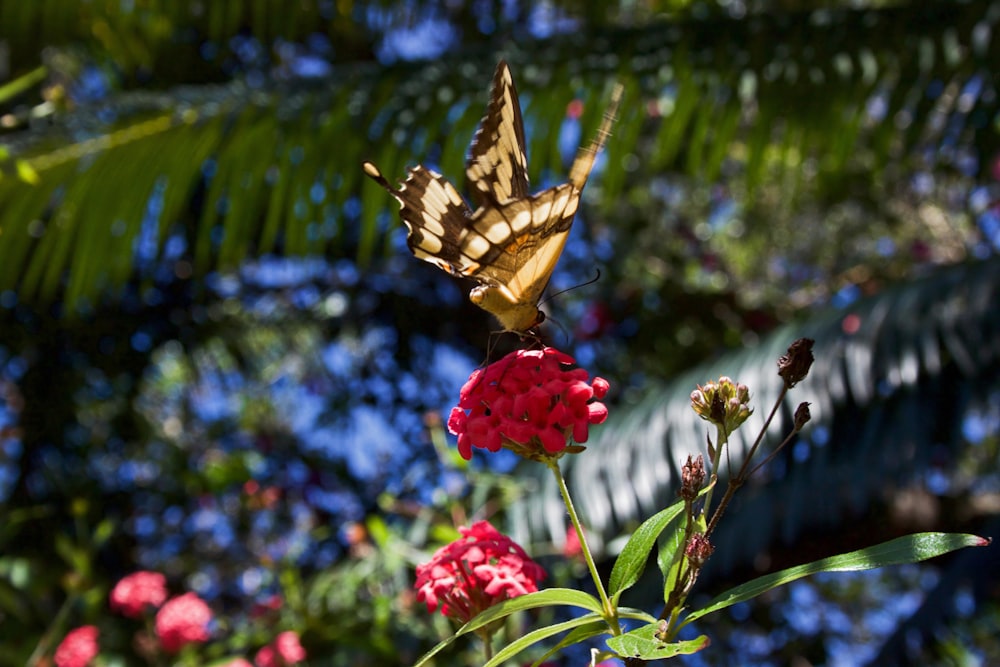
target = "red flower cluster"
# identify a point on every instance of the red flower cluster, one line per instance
(78, 647)
(182, 621)
(475, 572)
(284, 650)
(137, 591)
(530, 401)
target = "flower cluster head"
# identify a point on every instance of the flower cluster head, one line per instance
(181, 621)
(132, 594)
(475, 572)
(283, 651)
(78, 647)
(531, 401)
(724, 403)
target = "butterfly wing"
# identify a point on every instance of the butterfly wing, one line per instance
(512, 242)
(527, 237)
(497, 165)
(435, 215)
(523, 241)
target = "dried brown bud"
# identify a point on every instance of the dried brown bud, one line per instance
(698, 550)
(692, 477)
(802, 416)
(794, 366)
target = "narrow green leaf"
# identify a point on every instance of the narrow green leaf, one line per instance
(636, 614)
(669, 558)
(548, 597)
(595, 628)
(632, 559)
(643, 643)
(26, 173)
(535, 636)
(23, 83)
(104, 531)
(908, 549)
(579, 634)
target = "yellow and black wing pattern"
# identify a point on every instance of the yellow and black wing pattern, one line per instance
(512, 241)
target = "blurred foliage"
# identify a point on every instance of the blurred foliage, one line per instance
(218, 360)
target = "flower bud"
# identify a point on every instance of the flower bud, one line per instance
(692, 477)
(802, 416)
(794, 366)
(698, 550)
(724, 403)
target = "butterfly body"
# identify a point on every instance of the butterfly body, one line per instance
(511, 243)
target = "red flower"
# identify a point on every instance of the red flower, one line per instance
(267, 657)
(572, 547)
(264, 607)
(284, 650)
(530, 401)
(475, 572)
(182, 621)
(78, 647)
(133, 593)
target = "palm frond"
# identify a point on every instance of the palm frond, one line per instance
(891, 374)
(240, 172)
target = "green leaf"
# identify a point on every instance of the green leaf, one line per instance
(668, 558)
(579, 634)
(551, 596)
(632, 559)
(26, 172)
(584, 627)
(908, 549)
(377, 530)
(104, 531)
(643, 643)
(515, 647)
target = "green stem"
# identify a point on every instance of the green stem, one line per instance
(610, 613)
(487, 638)
(57, 625)
(721, 441)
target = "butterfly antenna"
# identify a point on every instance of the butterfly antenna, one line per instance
(584, 161)
(563, 329)
(570, 289)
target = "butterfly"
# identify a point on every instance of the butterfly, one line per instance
(512, 241)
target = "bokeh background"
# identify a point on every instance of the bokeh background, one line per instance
(219, 361)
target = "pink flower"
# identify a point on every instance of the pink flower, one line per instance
(267, 657)
(475, 572)
(531, 402)
(284, 650)
(288, 647)
(238, 662)
(572, 547)
(133, 593)
(264, 607)
(181, 621)
(78, 647)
